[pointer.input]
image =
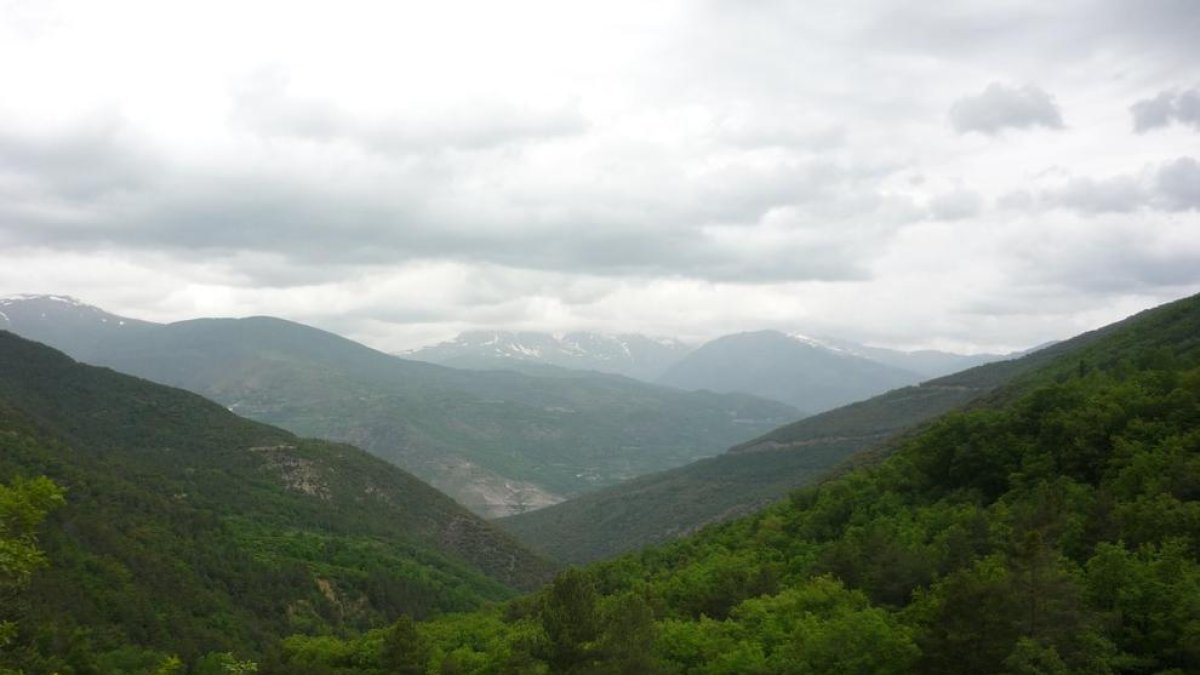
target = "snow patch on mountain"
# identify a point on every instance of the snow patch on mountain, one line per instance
(632, 355)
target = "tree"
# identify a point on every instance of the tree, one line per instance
(571, 622)
(23, 506)
(404, 652)
(627, 646)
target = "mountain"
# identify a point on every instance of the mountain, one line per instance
(1049, 527)
(646, 358)
(799, 371)
(658, 507)
(499, 442)
(65, 322)
(631, 355)
(927, 363)
(189, 529)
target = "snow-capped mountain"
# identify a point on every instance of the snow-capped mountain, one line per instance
(65, 322)
(636, 356)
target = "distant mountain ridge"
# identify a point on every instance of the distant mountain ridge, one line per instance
(658, 507)
(797, 370)
(499, 442)
(632, 355)
(810, 373)
(924, 362)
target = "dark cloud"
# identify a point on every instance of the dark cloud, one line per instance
(286, 229)
(1167, 107)
(1001, 107)
(80, 162)
(1178, 184)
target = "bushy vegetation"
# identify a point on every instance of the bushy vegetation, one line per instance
(1055, 531)
(1052, 528)
(192, 538)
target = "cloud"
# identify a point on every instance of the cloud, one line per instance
(279, 222)
(1178, 184)
(263, 103)
(1163, 187)
(1167, 107)
(80, 160)
(1001, 107)
(956, 205)
(1119, 194)
(676, 168)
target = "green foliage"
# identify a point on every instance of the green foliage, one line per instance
(188, 531)
(24, 504)
(1055, 529)
(404, 652)
(572, 622)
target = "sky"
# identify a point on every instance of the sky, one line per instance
(972, 176)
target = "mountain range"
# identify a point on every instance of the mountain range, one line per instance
(637, 356)
(810, 374)
(499, 442)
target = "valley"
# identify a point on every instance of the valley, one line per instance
(497, 441)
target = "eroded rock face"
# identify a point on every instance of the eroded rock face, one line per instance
(297, 473)
(489, 494)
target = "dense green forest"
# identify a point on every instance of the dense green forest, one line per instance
(189, 533)
(1053, 529)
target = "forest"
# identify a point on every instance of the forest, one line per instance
(1050, 528)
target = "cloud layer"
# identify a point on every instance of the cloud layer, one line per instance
(399, 173)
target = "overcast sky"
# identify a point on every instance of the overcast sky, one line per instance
(965, 175)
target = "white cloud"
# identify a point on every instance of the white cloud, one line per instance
(1167, 107)
(1001, 107)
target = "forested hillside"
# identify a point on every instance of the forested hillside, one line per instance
(1054, 530)
(188, 530)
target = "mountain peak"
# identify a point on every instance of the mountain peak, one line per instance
(39, 297)
(629, 354)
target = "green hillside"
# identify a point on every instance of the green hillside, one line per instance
(499, 442)
(1053, 528)
(655, 508)
(188, 529)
